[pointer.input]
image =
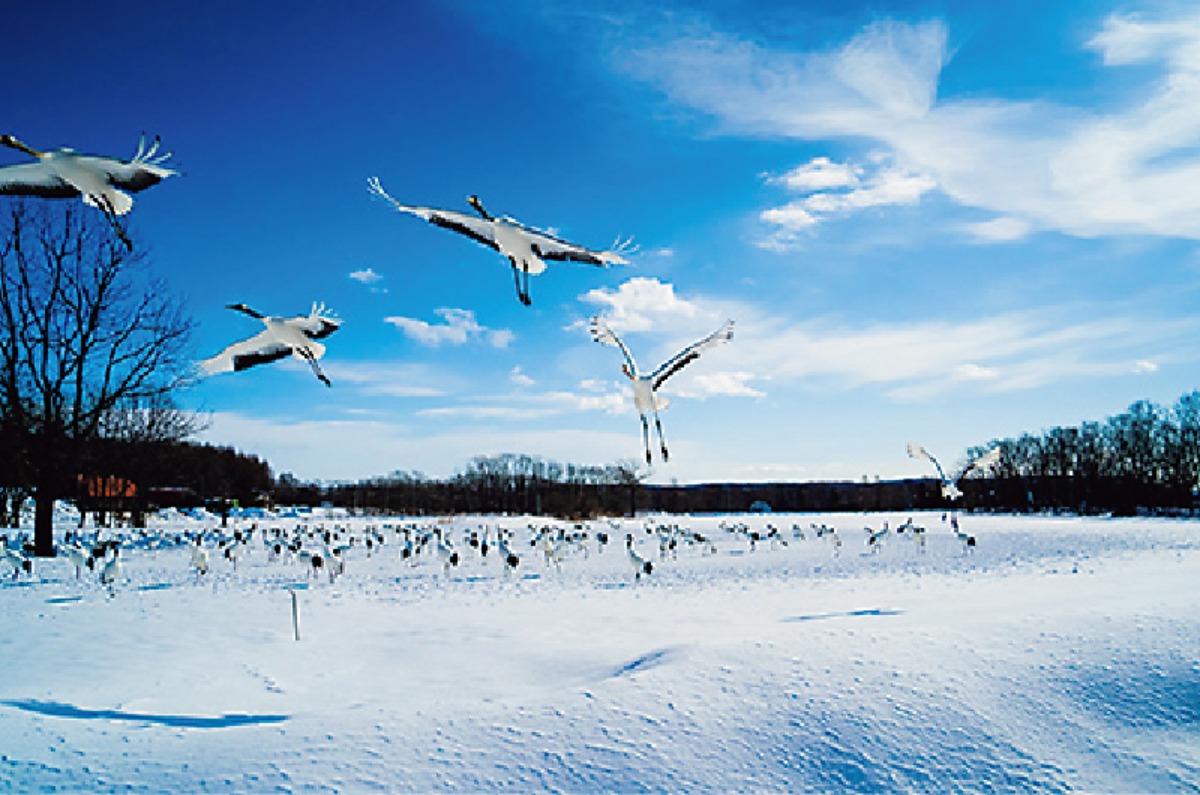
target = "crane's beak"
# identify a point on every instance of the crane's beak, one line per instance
(13, 143)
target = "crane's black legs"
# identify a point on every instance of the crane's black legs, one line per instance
(316, 368)
(106, 207)
(661, 439)
(646, 438)
(522, 293)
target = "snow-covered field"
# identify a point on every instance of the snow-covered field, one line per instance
(1061, 654)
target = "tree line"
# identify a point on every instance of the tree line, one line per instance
(1145, 457)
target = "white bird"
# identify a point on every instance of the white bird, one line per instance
(78, 557)
(199, 556)
(527, 249)
(640, 564)
(645, 387)
(16, 561)
(511, 561)
(950, 489)
(101, 181)
(113, 570)
(283, 337)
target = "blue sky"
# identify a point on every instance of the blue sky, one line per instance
(932, 221)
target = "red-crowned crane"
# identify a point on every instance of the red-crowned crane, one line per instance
(950, 489)
(527, 249)
(282, 337)
(645, 387)
(101, 181)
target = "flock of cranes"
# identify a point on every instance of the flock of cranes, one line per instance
(102, 183)
(457, 549)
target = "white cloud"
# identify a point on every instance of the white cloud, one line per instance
(721, 384)
(459, 328)
(367, 276)
(838, 189)
(391, 379)
(1145, 367)
(640, 303)
(919, 360)
(519, 378)
(820, 173)
(999, 230)
(1130, 167)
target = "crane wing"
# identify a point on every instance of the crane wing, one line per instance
(691, 353)
(259, 349)
(34, 179)
(985, 461)
(917, 451)
(604, 335)
(475, 228)
(549, 247)
(132, 177)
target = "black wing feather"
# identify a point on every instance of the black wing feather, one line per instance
(437, 219)
(247, 360)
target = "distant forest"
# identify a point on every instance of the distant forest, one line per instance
(1144, 459)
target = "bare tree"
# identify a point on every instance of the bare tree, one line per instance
(85, 330)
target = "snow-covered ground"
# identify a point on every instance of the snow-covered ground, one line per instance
(1061, 654)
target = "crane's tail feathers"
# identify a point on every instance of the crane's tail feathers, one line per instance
(112, 202)
(624, 247)
(150, 156)
(376, 189)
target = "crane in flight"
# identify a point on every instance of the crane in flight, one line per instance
(950, 489)
(527, 249)
(101, 181)
(645, 386)
(282, 337)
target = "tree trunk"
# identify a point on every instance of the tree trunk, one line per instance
(43, 523)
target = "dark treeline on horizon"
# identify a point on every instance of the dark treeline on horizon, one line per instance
(1146, 458)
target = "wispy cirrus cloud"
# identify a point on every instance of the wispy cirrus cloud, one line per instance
(833, 190)
(459, 328)
(1126, 167)
(1004, 353)
(907, 359)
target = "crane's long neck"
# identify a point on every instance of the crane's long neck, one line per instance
(478, 205)
(13, 143)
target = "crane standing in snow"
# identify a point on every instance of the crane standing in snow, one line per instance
(283, 337)
(526, 249)
(645, 387)
(101, 181)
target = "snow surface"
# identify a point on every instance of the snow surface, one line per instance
(1062, 654)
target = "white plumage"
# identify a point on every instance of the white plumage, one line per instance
(113, 570)
(640, 564)
(526, 249)
(199, 557)
(282, 337)
(645, 387)
(15, 561)
(950, 489)
(78, 557)
(101, 181)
